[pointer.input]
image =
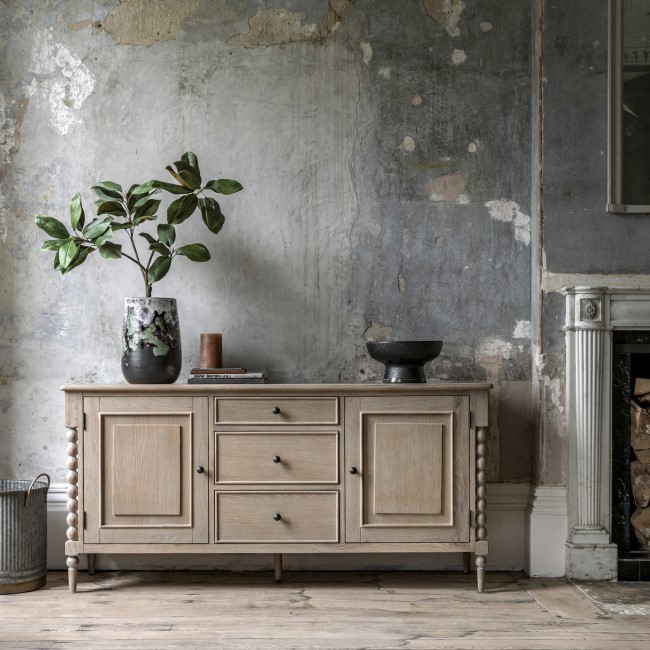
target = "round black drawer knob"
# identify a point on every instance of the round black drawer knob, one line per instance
(199, 470)
(353, 470)
(276, 459)
(277, 516)
(276, 410)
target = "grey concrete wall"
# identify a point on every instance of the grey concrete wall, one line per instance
(385, 153)
(581, 243)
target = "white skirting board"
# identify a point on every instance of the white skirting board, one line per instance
(509, 510)
(546, 531)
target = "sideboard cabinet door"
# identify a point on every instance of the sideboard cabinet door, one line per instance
(407, 469)
(145, 462)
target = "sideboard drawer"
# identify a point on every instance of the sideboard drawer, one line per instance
(277, 517)
(286, 457)
(276, 410)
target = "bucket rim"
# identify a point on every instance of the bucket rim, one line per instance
(39, 485)
(30, 486)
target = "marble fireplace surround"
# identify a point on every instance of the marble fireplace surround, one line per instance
(592, 315)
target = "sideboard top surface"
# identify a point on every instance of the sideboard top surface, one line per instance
(326, 389)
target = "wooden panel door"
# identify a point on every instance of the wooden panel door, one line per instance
(410, 469)
(139, 473)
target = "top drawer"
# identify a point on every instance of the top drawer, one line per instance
(276, 410)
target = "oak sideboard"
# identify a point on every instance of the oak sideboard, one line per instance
(276, 468)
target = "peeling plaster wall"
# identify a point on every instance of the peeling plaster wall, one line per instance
(384, 149)
(581, 243)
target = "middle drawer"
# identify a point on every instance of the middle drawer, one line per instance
(273, 458)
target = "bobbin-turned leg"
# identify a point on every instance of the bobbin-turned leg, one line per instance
(72, 491)
(73, 572)
(480, 573)
(277, 566)
(481, 505)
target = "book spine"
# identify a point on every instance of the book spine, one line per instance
(212, 380)
(215, 375)
(221, 371)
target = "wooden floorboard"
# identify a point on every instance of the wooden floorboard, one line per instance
(196, 609)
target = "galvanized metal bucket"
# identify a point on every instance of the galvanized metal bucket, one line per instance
(23, 535)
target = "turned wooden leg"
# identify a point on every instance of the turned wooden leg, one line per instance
(480, 573)
(91, 564)
(73, 566)
(467, 559)
(277, 566)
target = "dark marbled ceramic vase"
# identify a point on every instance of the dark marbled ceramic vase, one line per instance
(151, 341)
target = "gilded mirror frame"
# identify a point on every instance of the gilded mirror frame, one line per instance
(615, 199)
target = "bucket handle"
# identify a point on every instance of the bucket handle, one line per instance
(29, 491)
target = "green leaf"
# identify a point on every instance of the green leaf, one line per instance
(166, 234)
(141, 199)
(105, 194)
(160, 248)
(143, 188)
(97, 227)
(102, 239)
(138, 220)
(111, 186)
(181, 209)
(192, 162)
(147, 209)
(67, 253)
(190, 159)
(53, 227)
(77, 216)
(80, 259)
(57, 265)
(224, 186)
(185, 174)
(211, 214)
(122, 226)
(158, 270)
(171, 187)
(148, 237)
(53, 244)
(177, 176)
(191, 179)
(110, 250)
(112, 207)
(194, 252)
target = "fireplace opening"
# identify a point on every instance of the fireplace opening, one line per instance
(630, 505)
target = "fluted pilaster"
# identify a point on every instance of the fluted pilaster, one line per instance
(590, 554)
(589, 345)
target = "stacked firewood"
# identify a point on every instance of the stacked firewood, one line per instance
(640, 468)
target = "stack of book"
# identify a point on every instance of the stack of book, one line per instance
(225, 376)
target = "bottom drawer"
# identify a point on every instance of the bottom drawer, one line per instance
(277, 517)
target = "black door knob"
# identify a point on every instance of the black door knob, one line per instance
(200, 470)
(276, 410)
(277, 516)
(276, 459)
(353, 470)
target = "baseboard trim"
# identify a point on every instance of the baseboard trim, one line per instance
(546, 531)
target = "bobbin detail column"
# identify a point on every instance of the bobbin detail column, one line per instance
(72, 491)
(481, 504)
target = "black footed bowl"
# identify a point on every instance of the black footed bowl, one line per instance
(404, 360)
